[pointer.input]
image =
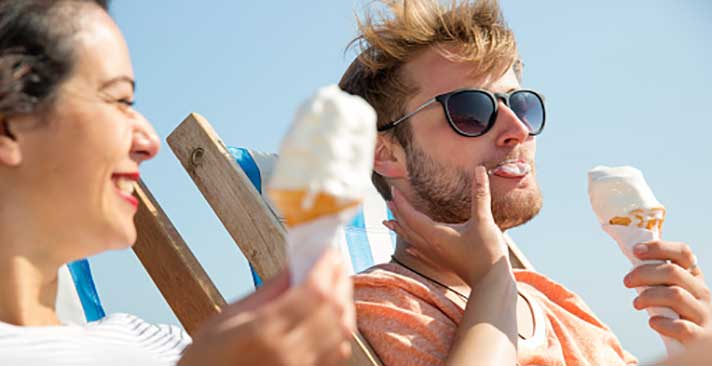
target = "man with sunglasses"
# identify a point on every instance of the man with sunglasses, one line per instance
(455, 158)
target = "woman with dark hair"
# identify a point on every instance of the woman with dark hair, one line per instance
(70, 147)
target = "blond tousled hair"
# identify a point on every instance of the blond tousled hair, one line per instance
(392, 32)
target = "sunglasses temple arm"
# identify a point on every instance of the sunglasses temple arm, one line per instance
(411, 114)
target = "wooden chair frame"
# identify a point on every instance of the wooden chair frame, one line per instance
(259, 234)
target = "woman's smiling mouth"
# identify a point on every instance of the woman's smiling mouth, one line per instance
(124, 184)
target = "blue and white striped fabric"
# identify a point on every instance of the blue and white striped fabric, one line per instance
(77, 299)
(365, 240)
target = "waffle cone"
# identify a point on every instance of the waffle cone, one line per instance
(652, 219)
(290, 204)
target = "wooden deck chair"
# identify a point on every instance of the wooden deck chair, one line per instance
(249, 219)
(237, 202)
(231, 191)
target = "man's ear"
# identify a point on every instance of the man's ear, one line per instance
(389, 158)
(10, 154)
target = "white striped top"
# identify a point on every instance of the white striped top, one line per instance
(118, 339)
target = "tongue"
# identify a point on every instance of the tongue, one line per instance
(512, 170)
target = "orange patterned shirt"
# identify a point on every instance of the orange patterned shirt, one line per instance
(409, 321)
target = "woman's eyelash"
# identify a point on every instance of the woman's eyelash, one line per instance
(127, 102)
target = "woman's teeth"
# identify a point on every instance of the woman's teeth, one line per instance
(125, 185)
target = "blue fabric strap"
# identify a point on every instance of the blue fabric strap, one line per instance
(359, 248)
(248, 165)
(81, 274)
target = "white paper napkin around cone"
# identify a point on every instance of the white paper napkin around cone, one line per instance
(627, 237)
(307, 242)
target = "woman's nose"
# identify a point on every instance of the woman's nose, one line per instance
(145, 144)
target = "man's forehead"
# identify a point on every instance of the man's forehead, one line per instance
(433, 73)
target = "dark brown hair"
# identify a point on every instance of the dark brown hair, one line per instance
(36, 51)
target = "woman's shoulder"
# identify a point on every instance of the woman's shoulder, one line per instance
(132, 325)
(117, 339)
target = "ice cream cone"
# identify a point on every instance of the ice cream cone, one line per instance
(651, 219)
(629, 212)
(323, 173)
(298, 207)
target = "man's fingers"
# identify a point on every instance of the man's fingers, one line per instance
(481, 200)
(675, 298)
(677, 252)
(414, 252)
(667, 274)
(404, 232)
(411, 219)
(682, 330)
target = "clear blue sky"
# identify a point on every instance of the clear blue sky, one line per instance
(626, 82)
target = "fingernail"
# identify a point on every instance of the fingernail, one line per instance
(640, 249)
(626, 279)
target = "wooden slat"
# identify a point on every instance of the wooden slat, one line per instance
(362, 353)
(243, 212)
(516, 256)
(230, 193)
(172, 266)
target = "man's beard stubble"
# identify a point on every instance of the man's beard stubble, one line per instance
(445, 194)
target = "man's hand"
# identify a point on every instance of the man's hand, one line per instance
(308, 324)
(678, 285)
(469, 249)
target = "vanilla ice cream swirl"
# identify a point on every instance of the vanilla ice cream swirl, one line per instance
(329, 148)
(620, 192)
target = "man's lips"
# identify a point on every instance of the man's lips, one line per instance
(511, 169)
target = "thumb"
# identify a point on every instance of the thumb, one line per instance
(481, 206)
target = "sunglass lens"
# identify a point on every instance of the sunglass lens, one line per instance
(471, 112)
(529, 108)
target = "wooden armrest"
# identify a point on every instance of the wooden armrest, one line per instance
(172, 266)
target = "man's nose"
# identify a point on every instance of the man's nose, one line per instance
(509, 128)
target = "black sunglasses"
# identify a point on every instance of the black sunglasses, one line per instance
(472, 112)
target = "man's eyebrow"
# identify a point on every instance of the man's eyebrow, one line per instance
(119, 79)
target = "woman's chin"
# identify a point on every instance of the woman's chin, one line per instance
(122, 238)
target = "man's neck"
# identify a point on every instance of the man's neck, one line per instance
(430, 270)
